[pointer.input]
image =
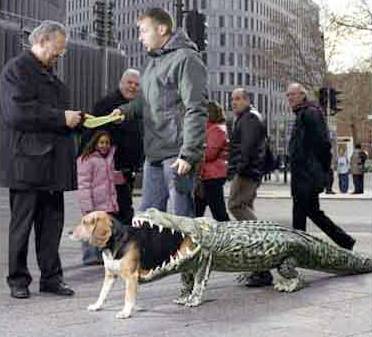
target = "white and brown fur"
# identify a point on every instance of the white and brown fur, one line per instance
(127, 252)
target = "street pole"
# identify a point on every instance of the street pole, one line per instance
(179, 13)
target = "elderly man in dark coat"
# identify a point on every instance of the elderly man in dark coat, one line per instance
(37, 158)
(310, 161)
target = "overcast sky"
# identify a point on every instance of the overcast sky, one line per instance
(351, 51)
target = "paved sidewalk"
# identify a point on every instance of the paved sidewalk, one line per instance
(329, 307)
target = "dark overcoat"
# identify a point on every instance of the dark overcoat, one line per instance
(309, 150)
(37, 149)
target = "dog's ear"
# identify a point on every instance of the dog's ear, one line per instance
(102, 232)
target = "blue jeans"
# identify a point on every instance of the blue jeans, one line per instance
(162, 187)
(343, 182)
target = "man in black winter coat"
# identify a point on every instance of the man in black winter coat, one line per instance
(246, 165)
(127, 137)
(310, 161)
(37, 157)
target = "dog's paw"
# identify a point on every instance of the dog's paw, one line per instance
(193, 301)
(94, 307)
(181, 300)
(123, 314)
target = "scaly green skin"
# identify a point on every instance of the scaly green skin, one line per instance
(248, 246)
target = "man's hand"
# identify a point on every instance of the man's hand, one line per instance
(73, 118)
(182, 166)
(118, 112)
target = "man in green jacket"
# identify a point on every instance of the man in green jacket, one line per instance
(173, 108)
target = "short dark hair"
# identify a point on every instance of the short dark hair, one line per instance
(160, 16)
(216, 114)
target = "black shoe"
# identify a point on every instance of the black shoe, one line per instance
(330, 192)
(261, 279)
(349, 245)
(19, 292)
(60, 288)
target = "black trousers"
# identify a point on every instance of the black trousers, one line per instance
(124, 195)
(358, 181)
(45, 211)
(306, 204)
(212, 197)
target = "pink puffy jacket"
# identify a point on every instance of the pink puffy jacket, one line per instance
(96, 181)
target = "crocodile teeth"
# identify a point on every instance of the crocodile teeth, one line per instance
(172, 230)
(183, 235)
(151, 224)
(163, 264)
(179, 254)
(172, 260)
(160, 228)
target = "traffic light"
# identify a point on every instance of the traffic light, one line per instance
(99, 21)
(323, 98)
(333, 101)
(109, 23)
(196, 24)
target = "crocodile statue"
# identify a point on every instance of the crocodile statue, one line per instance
(244, 246)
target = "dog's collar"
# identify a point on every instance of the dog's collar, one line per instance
(115, 242)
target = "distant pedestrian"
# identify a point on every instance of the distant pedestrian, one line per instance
(37, 157)
(310, 160)
(97, 179)
(343, 170)
(358, 159)
(246, 165)
(213, 168)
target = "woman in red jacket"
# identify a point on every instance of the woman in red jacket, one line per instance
(213, 169)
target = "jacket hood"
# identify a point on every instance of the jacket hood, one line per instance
(307, 104)
(178, 40)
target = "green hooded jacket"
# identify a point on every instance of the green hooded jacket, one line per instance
(173, 102)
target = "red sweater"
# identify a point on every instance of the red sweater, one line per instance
(214, 164)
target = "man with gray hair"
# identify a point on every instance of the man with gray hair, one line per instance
(129, 150)
(310, 160)
(37, 156)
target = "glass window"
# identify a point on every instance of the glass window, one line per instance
(247, 79)
(240, 79)
(221, 21)
(231, 59)
(222, 39)
(232, 78)
(222, 79)
(222, 59)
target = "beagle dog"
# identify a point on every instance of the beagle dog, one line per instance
(127, 252)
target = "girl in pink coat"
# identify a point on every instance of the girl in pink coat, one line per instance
(96, 180)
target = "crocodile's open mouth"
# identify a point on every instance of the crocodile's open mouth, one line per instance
(186, 250)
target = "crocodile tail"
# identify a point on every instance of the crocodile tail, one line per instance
(329, 258)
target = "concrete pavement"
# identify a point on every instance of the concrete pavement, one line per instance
(329, 306)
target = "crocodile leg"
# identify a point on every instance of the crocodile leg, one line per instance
(187, 279)
(291, 279)
(200, 281)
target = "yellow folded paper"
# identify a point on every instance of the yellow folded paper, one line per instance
(92, 122)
